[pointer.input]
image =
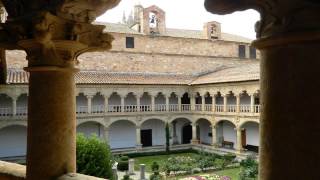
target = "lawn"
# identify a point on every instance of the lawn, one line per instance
(148, 160)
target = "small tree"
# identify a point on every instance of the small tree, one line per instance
(93, 157)
(167, 138)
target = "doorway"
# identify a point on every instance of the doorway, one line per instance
(146, 137)
(186, 134)
(243, 138)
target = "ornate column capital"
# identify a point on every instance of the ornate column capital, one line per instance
(277, 17)
(54, 33)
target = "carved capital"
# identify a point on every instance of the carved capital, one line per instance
(277, 17)
(55, 33)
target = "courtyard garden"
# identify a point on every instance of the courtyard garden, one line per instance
(94, 158)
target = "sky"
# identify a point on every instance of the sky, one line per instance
(189, 14)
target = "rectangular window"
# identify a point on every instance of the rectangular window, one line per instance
(129, 42)
(242, 51)
(253, 53)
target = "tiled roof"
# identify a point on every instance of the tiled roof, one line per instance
(100, 77)
(248, 72)
(182, 33)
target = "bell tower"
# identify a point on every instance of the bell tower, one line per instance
(153, 21)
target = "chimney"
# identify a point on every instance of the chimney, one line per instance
(212, 30)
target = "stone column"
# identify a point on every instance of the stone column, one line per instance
(106, 134)
(51, 126)
(131, 167)
(167, 102)
(214, 135)
(203, 103)
(53, 41)
(122, 103)
(239, 140)
(174, 133)
(192, 102)
(238, 103)
(252, 103)
(14, 106)
(89, 98)
(106, 103)
(179, 103)
(138, 103)
(225, 102)
(153, 106)
(213, 103)
(138, 137)
(194, 139)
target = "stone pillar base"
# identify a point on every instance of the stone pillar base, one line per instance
(139, 147)
(195, 141)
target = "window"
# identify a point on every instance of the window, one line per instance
(129, 42)
(242, 51)
(253, 53)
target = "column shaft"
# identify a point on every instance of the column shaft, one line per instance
(179, 103)
(214, 135)
(89, 104)
(239, 140)
(167, 103)
(203, 103)
(14, 106)
(238, 103)
(225, 101)
(106, 103)
(51, 148)
(289, 76)
(153, 103)
(252, 103)
(213, 104)
(138, 138)
(138, 103)
(122, 103)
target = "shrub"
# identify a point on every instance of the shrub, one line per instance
(156, 176)
(126, 177)
(124, 158)
(155, 166)
(179, 163)
(248, 169)
(123, 165)
(93, 157)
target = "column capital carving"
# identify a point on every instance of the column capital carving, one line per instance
(277, 17)
(55, 33)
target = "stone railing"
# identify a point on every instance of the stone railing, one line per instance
(100, 109)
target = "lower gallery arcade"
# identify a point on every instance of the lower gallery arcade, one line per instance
(130, 135)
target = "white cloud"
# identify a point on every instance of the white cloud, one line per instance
(189, 14)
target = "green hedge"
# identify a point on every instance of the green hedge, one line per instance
(93, 157)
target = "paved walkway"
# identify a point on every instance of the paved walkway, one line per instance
(136, 175)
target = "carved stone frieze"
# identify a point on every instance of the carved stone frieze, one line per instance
(277, 17)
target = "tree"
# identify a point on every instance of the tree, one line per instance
(93, 157)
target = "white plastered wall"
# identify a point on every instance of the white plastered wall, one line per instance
(90, 128)
(252, 133)
(122, 134)
(13, 141)
(158, 131)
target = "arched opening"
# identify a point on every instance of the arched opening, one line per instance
(208, 102)
(114, 103)
(153, 133)
(181, 132)
(198, 102)
(226, 134)
(91, 128)
(130, 102)
(97, 104)
(145, 102)
(160, 102)
(245, 102)
(5, 105)
(185, 102)
(13, 141)
(219, 102)
(82, 104)
(231, 102)
(122, 134)
(22, 105)
(204, 131)
(250, 136)
(173, 102)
